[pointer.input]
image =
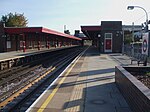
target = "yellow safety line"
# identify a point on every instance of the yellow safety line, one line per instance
(13, 96)
(44, 105)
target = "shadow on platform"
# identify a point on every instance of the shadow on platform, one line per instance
(88, 73)
(97, 72)
(99, 98)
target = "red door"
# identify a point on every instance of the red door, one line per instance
(108, 45)
(108, 42)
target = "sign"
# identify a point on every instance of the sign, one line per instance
(145, 45)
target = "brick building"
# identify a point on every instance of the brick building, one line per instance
(23, 38)
(110, 35)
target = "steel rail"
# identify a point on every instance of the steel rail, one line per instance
(31, 82)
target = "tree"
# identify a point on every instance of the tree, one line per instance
(14, 20)
(128, 39)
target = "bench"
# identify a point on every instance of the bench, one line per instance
(140, 59)
(135, 57)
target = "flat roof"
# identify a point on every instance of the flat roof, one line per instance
(131, 27)
(90, 28)
(19, 30)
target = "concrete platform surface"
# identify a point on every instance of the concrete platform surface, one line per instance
(19, 54)
(89, 87)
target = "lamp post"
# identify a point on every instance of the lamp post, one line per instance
(132, 7)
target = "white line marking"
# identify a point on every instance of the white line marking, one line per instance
(36, 101)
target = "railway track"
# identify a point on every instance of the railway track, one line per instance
(19, 78)
(33, 82)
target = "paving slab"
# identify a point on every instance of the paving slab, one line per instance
(90, 86)
(20, 53)
(99, 92)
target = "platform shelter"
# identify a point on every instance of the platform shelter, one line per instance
(23, 38)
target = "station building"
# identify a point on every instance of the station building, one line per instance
(24, 38)
(109, 36)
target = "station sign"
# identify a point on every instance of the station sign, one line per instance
(145, 45)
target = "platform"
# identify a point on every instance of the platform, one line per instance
(17, 54)
(11, 59)
(87, 86)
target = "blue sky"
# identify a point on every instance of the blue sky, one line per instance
(54, 14)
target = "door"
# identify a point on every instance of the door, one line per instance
(108, 42)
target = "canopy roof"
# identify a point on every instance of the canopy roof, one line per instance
(91, 32)
(90, 28)
(20, 30)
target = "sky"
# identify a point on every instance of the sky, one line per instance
(54, 14)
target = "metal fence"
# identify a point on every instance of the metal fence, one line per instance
(131, 50)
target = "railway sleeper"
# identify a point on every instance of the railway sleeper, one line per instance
(14, 104)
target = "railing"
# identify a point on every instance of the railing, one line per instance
(137, 50)
(131, 50)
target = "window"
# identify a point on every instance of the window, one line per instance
(108, 35)
(8, 44)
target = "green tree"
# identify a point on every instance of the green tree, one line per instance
(128, 39)
(14, 20)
